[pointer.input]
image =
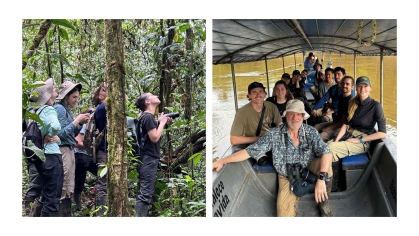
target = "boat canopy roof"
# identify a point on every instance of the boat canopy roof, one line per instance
(248, 40)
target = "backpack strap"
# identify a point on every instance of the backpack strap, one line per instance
(140, 137)
(260, 121)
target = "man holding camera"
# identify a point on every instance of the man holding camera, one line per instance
(149, 136)
(292, 144)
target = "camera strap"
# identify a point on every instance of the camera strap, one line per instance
(260, 121)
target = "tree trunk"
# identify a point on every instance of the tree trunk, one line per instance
(116, 125)
(188, 101)
(43, 29)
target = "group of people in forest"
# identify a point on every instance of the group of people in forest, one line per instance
(57, 182)
(286, 140)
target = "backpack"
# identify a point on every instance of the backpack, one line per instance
(33, 142)
(92, 137)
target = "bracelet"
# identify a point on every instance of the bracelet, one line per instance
(361, 140)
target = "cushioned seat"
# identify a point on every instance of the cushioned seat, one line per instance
(359, 161)
(267, 168)
(353, 166)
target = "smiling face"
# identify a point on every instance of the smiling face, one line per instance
(347, 86)
(294, 120)
(257, 95)
(280, 90)
(338, 76)
(329, 75)
(304, 74)
(72, 98)
(363, 90)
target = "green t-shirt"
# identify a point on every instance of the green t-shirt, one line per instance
(246, 120)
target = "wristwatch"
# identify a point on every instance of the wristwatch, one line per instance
(323, 176)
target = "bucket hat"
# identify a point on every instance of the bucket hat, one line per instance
(296, 105)
(43, 92)
(317, 63)
(66, 87)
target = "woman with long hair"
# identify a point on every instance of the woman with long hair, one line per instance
(363, 114)
(70, 128)
(281, 96)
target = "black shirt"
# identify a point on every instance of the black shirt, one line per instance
(147, 123)
(367, 115)
(281, 107)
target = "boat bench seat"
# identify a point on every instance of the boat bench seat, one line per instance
(353, 166)
(267, 168)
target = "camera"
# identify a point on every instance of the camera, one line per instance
(326, 106)
(172, 115)
(89, 112)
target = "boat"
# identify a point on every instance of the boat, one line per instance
(368, 182)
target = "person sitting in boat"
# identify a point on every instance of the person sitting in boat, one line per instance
(281, 97)
(304, 74)
(297, 90)
(328, 93)
(254, 119)
(363, 114)
(292, 142)
(329, 130)
(309, 62)
(318, 78)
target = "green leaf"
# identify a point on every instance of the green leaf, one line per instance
(59, 57)
(64, 23)
(38, 152)
(184, 27)
(102, 171)
(196, 158)
(63, 33)
(33, 116)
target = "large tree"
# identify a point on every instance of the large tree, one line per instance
(116, 125)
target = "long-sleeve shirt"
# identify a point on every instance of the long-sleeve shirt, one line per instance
(68, 130)
(51, 127)
(334, 92)
(367, 115)
(100, 116)
(283, 149)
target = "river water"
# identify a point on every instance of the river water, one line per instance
(223, 107)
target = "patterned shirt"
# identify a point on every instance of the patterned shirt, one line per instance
(283, 149)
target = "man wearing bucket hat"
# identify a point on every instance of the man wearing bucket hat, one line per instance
(70, 128)
(50, 171)
(292, 143)
(254, 119)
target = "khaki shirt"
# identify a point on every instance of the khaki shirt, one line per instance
(246, 120)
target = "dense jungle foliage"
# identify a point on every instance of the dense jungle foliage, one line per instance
(164, 57)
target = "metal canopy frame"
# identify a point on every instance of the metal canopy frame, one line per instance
(245, 40)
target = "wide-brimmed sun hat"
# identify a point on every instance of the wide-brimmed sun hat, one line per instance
(66, 87)
(44, 92)
(317, 63)
(296, 105)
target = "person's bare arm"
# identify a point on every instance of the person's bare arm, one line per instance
(237, 140)
(235, 157)
(320, 193)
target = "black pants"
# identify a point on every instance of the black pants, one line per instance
(35, 183)
(84, 163)
(52, 175)
(147, 175)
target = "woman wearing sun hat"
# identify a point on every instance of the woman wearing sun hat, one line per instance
(70, 128)
(51, 170)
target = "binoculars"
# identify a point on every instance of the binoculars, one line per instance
(172, 115)
(293, 171)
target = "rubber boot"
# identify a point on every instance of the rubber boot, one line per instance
(36, 209)
(49, 214)
(324, 207)
(141, 209)
(335, 169)
(28, 206)
(65, 207)
(100, 203)
(77, 201)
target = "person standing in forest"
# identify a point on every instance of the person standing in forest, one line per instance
(70, 128)
(50, 171)
(84, 163)
(99, 97)
(149, 136)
